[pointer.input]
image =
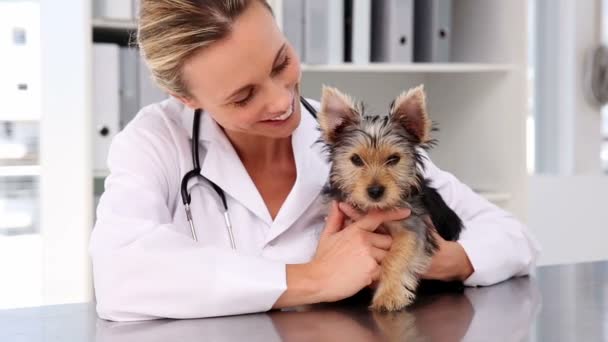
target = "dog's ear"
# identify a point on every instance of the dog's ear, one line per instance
(409, 111)
(337, 111)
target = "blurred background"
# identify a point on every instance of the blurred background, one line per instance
(517, 87)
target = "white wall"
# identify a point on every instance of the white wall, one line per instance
(568, 124)
(568, 207)
(569, 217)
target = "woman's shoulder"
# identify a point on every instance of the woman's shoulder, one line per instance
(159, 118)
(155, 131)
(148, 146)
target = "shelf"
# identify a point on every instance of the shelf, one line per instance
(411, 68)
(19, 170)
(112, 24)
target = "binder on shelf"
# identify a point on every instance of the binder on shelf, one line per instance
(358, 31)
(106, 101)
(432, 30)
(324, 32)
(129, 85)
(392, 31)
(149, 92)
(135, 5)
(113, 9)
(293, 23)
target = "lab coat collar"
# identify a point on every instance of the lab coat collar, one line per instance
(312, 172)
(235, 181)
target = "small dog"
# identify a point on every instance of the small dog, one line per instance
(376, 163)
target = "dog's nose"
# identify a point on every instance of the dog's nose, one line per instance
(375, 191)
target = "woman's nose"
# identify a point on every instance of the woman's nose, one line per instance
(281, 98)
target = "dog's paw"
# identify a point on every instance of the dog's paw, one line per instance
(392, 298)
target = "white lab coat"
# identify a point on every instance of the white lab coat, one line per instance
(146, 264)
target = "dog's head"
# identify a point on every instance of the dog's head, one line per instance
(374, 158)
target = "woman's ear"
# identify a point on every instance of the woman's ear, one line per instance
(337, 111)
(409, 111)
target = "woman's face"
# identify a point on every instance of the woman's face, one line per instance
(249, 81)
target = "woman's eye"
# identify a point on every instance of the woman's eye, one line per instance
(279, 68)
(393, 160)
(243, 102)
(356, 160)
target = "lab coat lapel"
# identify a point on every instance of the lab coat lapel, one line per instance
(312, 172)
(222, 165)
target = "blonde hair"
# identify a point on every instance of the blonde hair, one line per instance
(171, 31)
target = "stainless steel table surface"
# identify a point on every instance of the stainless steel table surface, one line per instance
(558, 303)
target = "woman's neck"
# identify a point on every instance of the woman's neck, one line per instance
(261, 151)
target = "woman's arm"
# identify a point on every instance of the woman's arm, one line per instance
(143, 267)
(496, 244)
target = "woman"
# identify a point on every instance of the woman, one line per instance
(258, 145)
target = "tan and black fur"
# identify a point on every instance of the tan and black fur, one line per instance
(377, 163)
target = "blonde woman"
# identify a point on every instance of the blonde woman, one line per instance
(257, 144)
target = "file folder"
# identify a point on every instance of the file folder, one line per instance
(113, 9)
(392, 31)
(129, 85)
(324, 32)
(149, 92)
(293, 23)
(106, 101)
(432, 30)
(360, 31)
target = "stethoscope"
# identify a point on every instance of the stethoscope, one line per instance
(196, 172)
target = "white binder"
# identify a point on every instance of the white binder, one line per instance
(129, 85)
(293, 23)
(113, 9)
(361, 31)
(135, 6)
(106, 101)
(392, 31)
(432, 30)
(149, 92)
(324, 32)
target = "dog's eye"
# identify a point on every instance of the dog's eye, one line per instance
(393, 160)
(356, 160)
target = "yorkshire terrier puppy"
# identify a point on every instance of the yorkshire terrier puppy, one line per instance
(376, 163)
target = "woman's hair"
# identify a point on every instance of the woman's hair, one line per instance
(171, 31)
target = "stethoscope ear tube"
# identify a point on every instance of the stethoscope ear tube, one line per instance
(308, 107)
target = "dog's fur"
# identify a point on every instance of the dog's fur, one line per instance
(377, 163)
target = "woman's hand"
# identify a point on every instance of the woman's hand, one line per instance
(348, 258)
(449, 263)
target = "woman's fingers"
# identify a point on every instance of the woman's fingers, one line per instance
(335, 219)
(382, 241)
(372, 220)
(378, 254)
(349, 211)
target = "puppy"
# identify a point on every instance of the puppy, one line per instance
(377, 163)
